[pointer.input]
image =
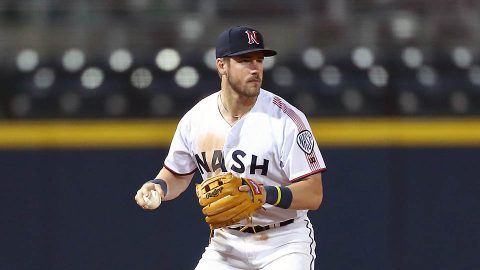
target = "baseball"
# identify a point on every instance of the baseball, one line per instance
(153, 199)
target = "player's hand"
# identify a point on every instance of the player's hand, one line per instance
(145, 191)
(246, 188)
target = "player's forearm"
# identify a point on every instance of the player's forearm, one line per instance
(305, 194)
(176, 184)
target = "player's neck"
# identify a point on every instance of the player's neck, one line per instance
(234, 106)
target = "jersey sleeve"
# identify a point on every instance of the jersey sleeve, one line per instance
(179, 160)
(301, 156)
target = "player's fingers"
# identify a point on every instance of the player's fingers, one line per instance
(139, 198)
(145, 190)
(244, 188)
(159, 190)
(148, 186)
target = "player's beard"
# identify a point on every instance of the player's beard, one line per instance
(249, 89)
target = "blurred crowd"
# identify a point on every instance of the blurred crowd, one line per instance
(145, 58)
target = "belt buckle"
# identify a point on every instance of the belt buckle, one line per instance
(261, 228)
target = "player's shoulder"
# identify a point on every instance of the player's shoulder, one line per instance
(278, 106)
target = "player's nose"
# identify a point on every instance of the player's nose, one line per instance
(256, 66)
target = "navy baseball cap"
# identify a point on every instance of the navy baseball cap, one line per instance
(240, 40)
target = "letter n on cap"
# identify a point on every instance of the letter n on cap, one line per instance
(252, 37)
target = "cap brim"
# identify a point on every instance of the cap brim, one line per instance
(266, 52)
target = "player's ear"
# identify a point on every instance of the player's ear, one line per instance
(221, 66)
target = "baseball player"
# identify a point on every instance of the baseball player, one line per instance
(249, 132)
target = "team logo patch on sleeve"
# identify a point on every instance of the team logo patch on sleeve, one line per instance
(306, 141)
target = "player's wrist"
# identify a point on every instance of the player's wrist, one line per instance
(278, 196)
(264, 194)
(162, 184)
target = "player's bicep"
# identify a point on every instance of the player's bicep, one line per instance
(301, 156)
(307, 192)
(179, 159)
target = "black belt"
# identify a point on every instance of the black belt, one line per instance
(260, 228)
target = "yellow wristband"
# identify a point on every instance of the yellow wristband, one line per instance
(279, 197)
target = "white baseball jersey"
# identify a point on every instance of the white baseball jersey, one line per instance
(272, 144)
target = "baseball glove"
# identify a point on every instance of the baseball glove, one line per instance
(223, 204)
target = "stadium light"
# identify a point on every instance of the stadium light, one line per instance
(331, 75)
(269, 63)
(462, 57)
(44, 78)
(352, 100)
(474, 75)
(141, 78)
(459, 102)
(408, 102)
(412, 57)
(186, 77)
(378, 76)
(120, 60)
(313, 58)
(209, 59)
(92, 78)
(362, 57)
(73, 60)
(27, 60)
(427, 76)
(283, 76)
(167, 59)
(403, 25)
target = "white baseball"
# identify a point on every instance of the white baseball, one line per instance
(153, 199)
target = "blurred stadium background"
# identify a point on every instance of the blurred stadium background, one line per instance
(129, 58)
(91, 91)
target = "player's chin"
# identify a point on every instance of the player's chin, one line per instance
(252, 94)
(253, 89)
